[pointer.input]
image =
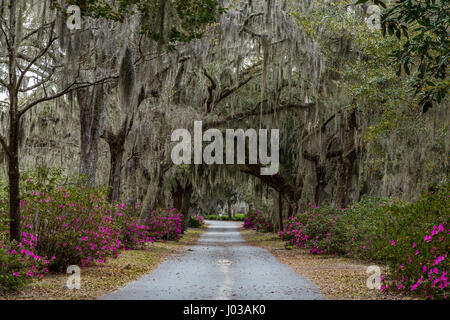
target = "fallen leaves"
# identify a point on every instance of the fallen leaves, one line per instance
(338, 278)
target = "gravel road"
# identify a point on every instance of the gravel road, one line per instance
(220, 266)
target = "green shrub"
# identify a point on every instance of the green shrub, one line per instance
(238, 217)
(10, 267)
(197, 222)
(412, 239)
(216, 217)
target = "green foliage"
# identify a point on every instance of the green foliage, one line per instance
(188, 18)
(195, 222)
(424, 25)
(216, 217)
(8, 265)
(238, 217)
(412, 239)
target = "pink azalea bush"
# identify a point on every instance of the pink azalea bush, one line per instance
(422, 266)
(72, 225)
(165, 224)
(19, 263)
(256, 221)
(413, 240)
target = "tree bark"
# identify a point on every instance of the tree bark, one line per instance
(92, 107)
(14, 171)
(321, 184)
(14, 131)
(116, 152)
(290, 210)
(280, 210)
(229, 209)
(132, 166)
(177, 196)
(186, 204)
(154, 195)
(345, 163)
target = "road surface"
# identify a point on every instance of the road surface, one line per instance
(220, 266)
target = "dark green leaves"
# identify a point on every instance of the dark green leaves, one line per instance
(425, 24)
(168, 22)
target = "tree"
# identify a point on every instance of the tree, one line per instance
(169, 24)
(27, 43)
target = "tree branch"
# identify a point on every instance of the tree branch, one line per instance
(38, 56)
(67, 90)
(255, 112)
(211, 89)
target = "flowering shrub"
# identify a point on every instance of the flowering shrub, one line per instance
(422, 266)
(412, 239)
(19, 263)
(197, 222)
(256, 221)
(72, 225)
(418, 244)
(165, 224)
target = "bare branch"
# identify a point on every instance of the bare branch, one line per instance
(245, 25)
(38, 56)
(3, 83)
(211, 88)
(72, 87)
(39, 83)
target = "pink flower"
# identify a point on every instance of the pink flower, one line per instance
(393, 242)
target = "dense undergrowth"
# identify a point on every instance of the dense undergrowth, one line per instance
(412, 239)
(72, 224)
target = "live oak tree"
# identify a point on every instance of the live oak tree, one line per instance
(30, 69)
(164, 23)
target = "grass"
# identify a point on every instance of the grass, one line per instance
(338, 278)
(102, 279)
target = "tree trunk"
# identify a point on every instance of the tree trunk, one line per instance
(186, 204)
(321, 184)
(116, 152)
(177, 196)
(14, 171)
(280, 210)
(154, 195)
(14, 130)
(229, 209)
(344, 173)
(92, 106)
(345, 163)
(132, 181)
(290, 210)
